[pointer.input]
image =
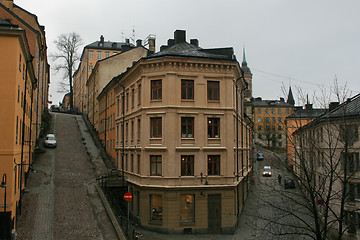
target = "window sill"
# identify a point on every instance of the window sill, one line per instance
(154, 222)
(187, 100)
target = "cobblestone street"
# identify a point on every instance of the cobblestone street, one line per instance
(61, 201)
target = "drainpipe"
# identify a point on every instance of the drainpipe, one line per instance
(123, 133)
(105, 123)
(23, 133)
(93, 103)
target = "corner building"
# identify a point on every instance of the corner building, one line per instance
(176, 132)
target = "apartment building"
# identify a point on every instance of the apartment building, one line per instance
(183, 145)
(327, 163)
(92, 53)
(16, 120)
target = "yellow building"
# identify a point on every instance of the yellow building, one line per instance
(269, 121)
(92, 53)
(35, 34)
(176, 138)
(102, 74)
(16, 118)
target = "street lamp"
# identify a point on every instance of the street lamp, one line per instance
(4, 185)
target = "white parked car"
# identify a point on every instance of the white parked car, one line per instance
(267, 171)
(50, 141)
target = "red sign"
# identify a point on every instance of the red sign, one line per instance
(128, 196)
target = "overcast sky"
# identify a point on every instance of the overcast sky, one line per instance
(305, 43)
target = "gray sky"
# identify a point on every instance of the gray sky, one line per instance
(304, 43)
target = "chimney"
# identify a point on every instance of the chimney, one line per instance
(333, 105)
(152, 45)
(194, 42)
(101, 43)
(282, 99)
(8, 3)
(308, 106)
(138, 43)
(114, 45)
(163, 47)
(180, 36)
(171, 42)
(127, 41)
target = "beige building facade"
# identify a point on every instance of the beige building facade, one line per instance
(176, 138)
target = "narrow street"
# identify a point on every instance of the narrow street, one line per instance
(61, 201)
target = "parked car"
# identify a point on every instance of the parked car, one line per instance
(260, 157)
(289, 183)
(267, 171)
(50, 141)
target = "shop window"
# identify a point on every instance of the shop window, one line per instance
(187, 208)
(156, 208)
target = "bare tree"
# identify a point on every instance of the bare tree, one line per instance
(325, 162)
(67, 45)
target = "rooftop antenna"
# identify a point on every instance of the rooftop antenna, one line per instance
(133, 39)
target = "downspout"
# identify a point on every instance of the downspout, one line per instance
(93, 103)
(23, 133)
(105, 122)
(123, 133)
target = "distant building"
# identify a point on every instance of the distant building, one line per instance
(299, 118)
(66, 102)
(92, 53)
(269, 121)
(184, 148)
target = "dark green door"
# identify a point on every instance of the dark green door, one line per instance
(214, 213)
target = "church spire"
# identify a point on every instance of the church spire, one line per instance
(244, 57)
(290, 99)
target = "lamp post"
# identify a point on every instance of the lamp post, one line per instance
(4, 185)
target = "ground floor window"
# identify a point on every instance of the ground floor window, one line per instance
(156, 208)
(187, 208)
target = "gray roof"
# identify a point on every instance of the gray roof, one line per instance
(185, 49)
(307, 113)
(107, 45)
(350, 108)
(270, 103)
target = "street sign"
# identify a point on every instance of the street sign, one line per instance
(128, 196)
(320, 202)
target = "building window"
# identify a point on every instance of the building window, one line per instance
(267, 119)
(132, 97)
(98, 55)
(267, 110)
(107, 54)
(279, 127)
(273, 119)
(155, 127)
(156, 208)
(138, 164)
(156, 89)
(279, 111)
(259, 119)
(187, 208)
(20, 63)
(273, 128)
(155, 165)
(127, 101)
(273, 111)
(17, 128)
(213, 90)
(139, 94)
(187, 127)
(132, 130)
(213, 127)
(138, 128)
(259, 128)
(351, 162)
(132, 162)
(91, 54)
(90, 68)
(279, 119)
(187, 165)
(187, 89)
(287, 111)
(259, 110)
(18, 96)
(214, 165)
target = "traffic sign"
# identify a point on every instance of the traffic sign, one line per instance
(320, 202)
(128, 196)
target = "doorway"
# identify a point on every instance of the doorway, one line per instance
(214, 213)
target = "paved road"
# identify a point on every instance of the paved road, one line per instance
(61, 201)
